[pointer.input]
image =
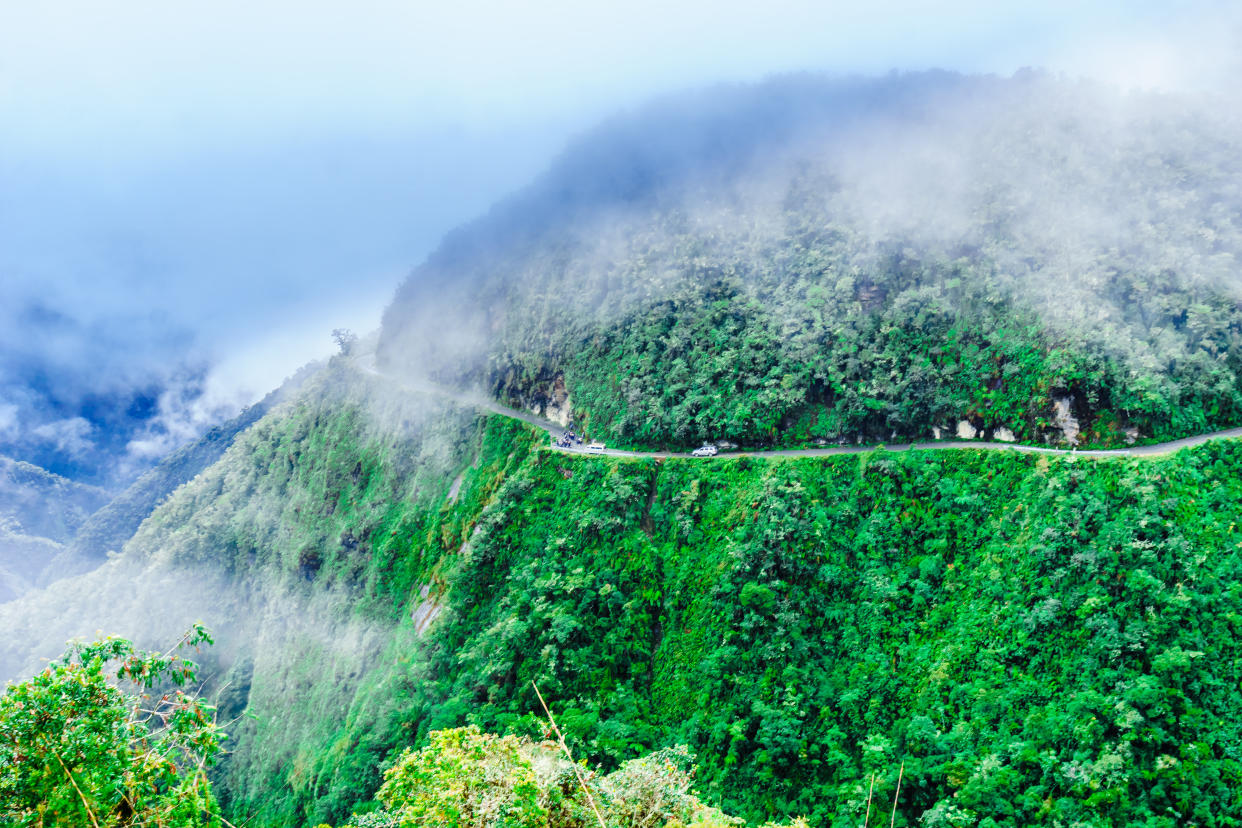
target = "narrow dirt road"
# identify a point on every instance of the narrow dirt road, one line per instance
(555, 431)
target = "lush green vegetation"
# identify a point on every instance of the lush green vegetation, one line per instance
(1038, 640)
(106, 737)
(330, 516)
(1021, 640)
(467, 779)
(780, 264)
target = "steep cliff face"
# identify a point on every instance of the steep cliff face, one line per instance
(811, 259)
(377, 564)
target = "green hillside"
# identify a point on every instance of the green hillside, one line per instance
(1022, 639)
(810, 259)
(1040, 641)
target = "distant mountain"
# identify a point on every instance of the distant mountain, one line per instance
(881, 259)
(36, 502)
(53, 528)
(23, 559)
(39, 513)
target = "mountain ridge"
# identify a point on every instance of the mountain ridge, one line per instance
(1011, 246)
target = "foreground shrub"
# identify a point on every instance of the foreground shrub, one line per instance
(468, 779)
(89, 741)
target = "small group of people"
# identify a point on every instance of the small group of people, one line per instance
(569, 439)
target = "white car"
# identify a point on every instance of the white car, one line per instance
(596, 446)
(706, 451)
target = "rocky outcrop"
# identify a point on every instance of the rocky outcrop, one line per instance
(427, 611)
(966, 431)
(558, 408)
(547, 398)
(455, 487)
(1063, 418)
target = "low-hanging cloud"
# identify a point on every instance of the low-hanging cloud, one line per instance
(70, 436)
(199, 187)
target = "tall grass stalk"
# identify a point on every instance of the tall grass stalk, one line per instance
(893, 819)
(560, 737)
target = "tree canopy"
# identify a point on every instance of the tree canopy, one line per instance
(109, 737)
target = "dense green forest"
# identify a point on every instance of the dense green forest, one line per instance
(811, 259)
(1038, 640)
(980, 637)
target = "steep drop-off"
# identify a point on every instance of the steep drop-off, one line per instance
(1038, 640)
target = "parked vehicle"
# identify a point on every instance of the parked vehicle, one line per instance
(596, 446)
(706, 450)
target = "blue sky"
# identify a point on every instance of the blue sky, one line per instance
(220, 184)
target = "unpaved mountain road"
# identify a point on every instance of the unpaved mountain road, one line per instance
(366, 364)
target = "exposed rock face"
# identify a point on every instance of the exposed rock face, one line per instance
(1004, 435)
(870, 295)
(425, 612)
(548, 398)
(455, 487)
(1063, 418)
(559, 409)
(937, 433)
(1132, 435)
(966, 431)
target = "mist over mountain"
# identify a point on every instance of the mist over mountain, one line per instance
(987, 637)
(149, 293)
(40, 513)
(1047, 240)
